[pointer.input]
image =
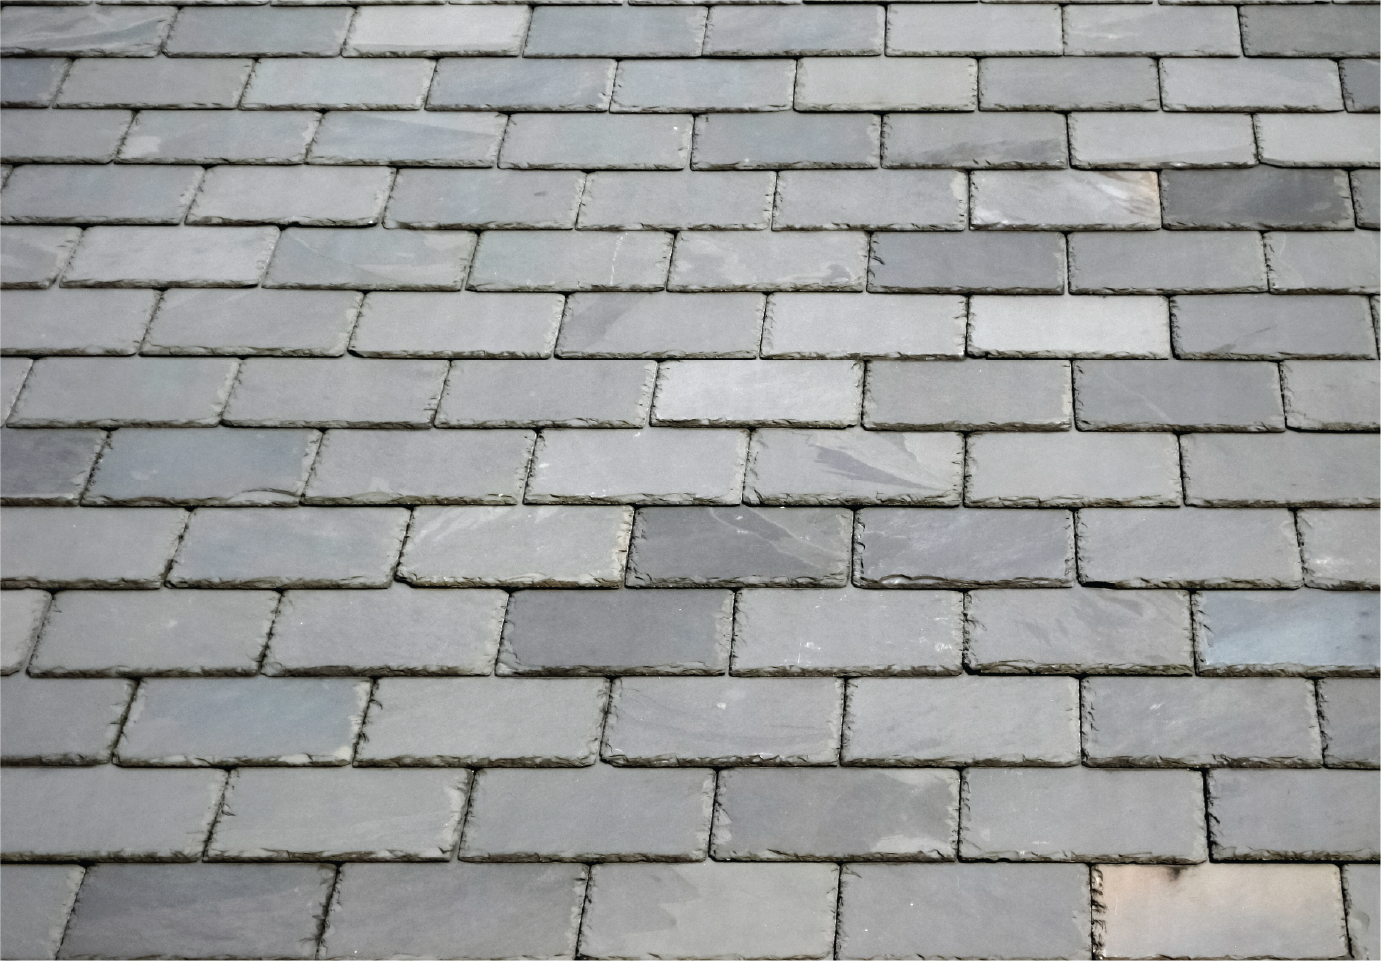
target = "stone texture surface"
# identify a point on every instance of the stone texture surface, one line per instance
(852, 467)
(61, 722)
(1309, 815)
(1348, 711)
(1301, 632)
(35, 906)
(933, 548)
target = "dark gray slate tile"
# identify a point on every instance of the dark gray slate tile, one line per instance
(125, 392)
(1366, 197)
(723, 722)
(1281, 470)
(786, 140)
(199, 911)
(1297, 632)
(457, 324)
(420, 467)
(112, 547)
(21, 616)
(47, 466)
(1068, 83)
(259, 32)
(917, 548)
(962, 721)
(1166, 261)
(483, 722)
(31, 82)
(653, 466)
(1267, 327)
(819, 814)
(968, 262)
(73, 320)
(974, 140)
(619, 632)
(747, 31)
(340, 258)
(61, 722)
(672, 86)
(615, 32)
(1361, 79)
(86, 31)
(598, 813)
(661, 325)
(34, 907)
(485, 83)
(13, 371)
(740, 546)
(769, 260)
(1083, 814)
(107, 813)
(1173, 395)
(1297, 815)
(422, 137)
(973, 395)
(203, 722)
(1257, 198)
(848, 631)
(397, 631)
(1348, 712)
(1343, 31)
(456, 910)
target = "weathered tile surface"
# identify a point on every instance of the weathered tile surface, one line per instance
(1300, 632)
(35, 906)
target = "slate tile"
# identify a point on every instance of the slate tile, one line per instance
(1299, 140)
(1080, 631)
(107, 813)
(424, 138)
(1323, 263)
(1070, 83)
(479, 199)
(217, 136)
(258, 32)
(819, 326)
(950, 29)
(717, 909)
(1145, 547)
(1065, 200)
(1267, 327)
(517, 546)
(561, 260)
(32, 257)
(637, 200)
(962, 721)
(72, 320)
(290, 323)
(112, 547)
(870, 200)
(1361, 883)
(1281, 470)
(813, 815)
(1185, 395)
(457, 324)
(974, 140)
(125, 391)
(47, 466)
(560, 31)
(1360, 82)
(1184, 262)
(343, 84)
(673, 86)
(768, 260)
(199, 910)
(524, 393)
(839, 31)
(672, 325)
(91, 136)
(604, 142)
(758, 393)
(1366, 198)
(1340, 549)
(1082, 814)
(1257, 198)
(848, 631)
(32, 82)
(853, 467)
(86, 194)
(104, 31)
(968, 262)
(437, 31)
(886, 83)
(345, 814)
(522, 85)
(396, 631)
(740, 547)
(315, 196)
(340, 258)
(344, 392)
(426, 467)
(1305, 815)
(1252, 84)
(484, 722)
(623, 632)
(1300, 632)
(1072, 469)
(1086, 326)
(650, 466)
(1161, 140)
(21, 617)
(156, 82)
(36, 903)
(1348, 711)
(62, 722)
(171, 257)
(1151, 31)
(786, 140)
(972, 395)
(1344, 31)
(599, 813)
(13, 371)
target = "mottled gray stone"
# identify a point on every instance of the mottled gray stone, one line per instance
(397, 631)
(456, 910)
(949, 29)
(962, 721)
(86, 194)
(32, 82)
(651, 466)
(218, 136)
(420, 467)
(320, 196)
(426, 31)
(86, 31)
(711, 910)
(1342, 31)
(457, 324)
(1266, 327)
(1360, 83)
(786, 140)
(853, 467)
(1083, 814)
(1301, 632)
(833, 631)
(1136, 140)
(602, 142)
(1257, 198)
(154, 633)
(68, 320)
(769, 260)
(837, 31)
(1084, 326)
(819, 326)
(485, 199)
(305, 547)
(685, 200)
(661, 325)
(1205, 395)
(13, 371)
(157, 82)
(724, 722)
(964, 910)
(171, 257)
(35, 904)
(1340, 549)
(560, 31)
(1220, 911)
(815, 815)
(344, 392)
(870, 200)
(259, 32)
(758, 393)
(521, 85)
(483, 722)
(1348, 712)
(968, 262)
(61, 722)
(740, 547)
(1366, 197)
(544, 260)
(47, 466)
(106, 812)
(1323, 262)
(911, 548)
(972, 395)
(517, 546)
(32, 257)
(1080, 631)
(344, 814)
(1323, 140)
(114, 547)
(886, 83)
(1200, 722)
(1191, 83)
(1151, 31)
(599, 813)
(1298, 815)
(974, 140)
(423, 137)
(1065, 200)
(1068, 83)
(191, 467)
(1072, 469)
(199, 911)
(1362, 886)
(1333, 396)
(124, 391)
(342, 84)
(1163, 261)
(370, 259)
(1146, 547)
(624, 632)
(45, 136)
(672, 86)
(1281, 470)
(21, 616)
(253, 321)
(523, 393)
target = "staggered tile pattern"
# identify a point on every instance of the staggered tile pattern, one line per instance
(615, 481)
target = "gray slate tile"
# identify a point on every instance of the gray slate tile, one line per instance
(1303, 140)
(786, 140)
(420, 467)
(870, 200)
(1360, 83)
(1072, 469)
(820, 326)
(1065, 200)
(650, 466)
(1206, 395)
(1151, 31)
(32, 257)
(34, 136)
(559, 31)
(104, 31)
(1260, 198)
(972, 395)
(1082, 326)
(886, 83)
(1164, 261)
(344, 392)
(35, 907)
(525, 393)
(437, 31)
(853, 467)
(841, 31)
(1323, 263)
(561, 260)
(32, 82)
(47, 466)
(1300, 632)
(1348, 712)
(1299, 815)
(259, 32)
(124, 391)
(115, 547)
(768, 260)
(950, 29)
(1344, 31)
(1151, 140)
(977, 140)
(968, 262)
(1366, 197)
(156, 82)
(637, 200)
(1362, 884)
(1281, 470)
(217, 136)
(339, 83)
(1340, 549)
(1266, 327)
(340, 258)
(604, 142)
(1191, 83)
(311, 323)
(86, 194)
(522, 85)
(171, 257)
(1069, 83)
(21, 617)
(758, 393)
(457, 324)
(62, 722)
(480, 199)
(13, 371)
(672, 325)
(424, 138)
(315, 196)
(71, 320)
(672, 86)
